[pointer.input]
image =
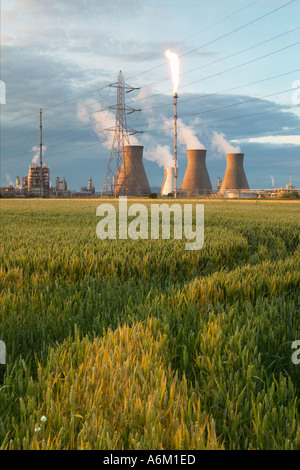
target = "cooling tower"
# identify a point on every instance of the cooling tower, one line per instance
(132, 180)
(196, 179)
(168, 184)
(235, 177)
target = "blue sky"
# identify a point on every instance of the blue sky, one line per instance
(239, 84)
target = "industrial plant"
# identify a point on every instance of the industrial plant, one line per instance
(126, 175)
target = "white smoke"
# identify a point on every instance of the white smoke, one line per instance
(187, 136)
(222, 145)
(273, 182)
(161, 155)
(36, 156)
(8, 179)
(103, 122)
(89, 112)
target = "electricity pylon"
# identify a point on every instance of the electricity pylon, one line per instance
(121, 137)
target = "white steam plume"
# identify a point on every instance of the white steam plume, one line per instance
(273, 182)
(222, 145)
(161, 155)
(90, 112)
(186, 134)
(8, 179)
(36, 156)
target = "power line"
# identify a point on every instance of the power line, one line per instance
(179, 127)
(50, 107)
(234, 54)
(222, 107)
(244, 63)
(170, 119)
(242, 116)
(95, 90)
(182, 101)
(239, 28)
(213, 75)
(53, 135)
(205, 78)
(204, 45)
(207, 95)
(225, 71)
(221, 37)
(195, 34)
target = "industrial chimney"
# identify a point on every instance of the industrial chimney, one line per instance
(132, 179)
(235, 177)
(168, 184)
(196, 179)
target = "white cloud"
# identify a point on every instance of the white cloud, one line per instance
(273, 139)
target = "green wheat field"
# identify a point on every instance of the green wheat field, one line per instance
(143, 345)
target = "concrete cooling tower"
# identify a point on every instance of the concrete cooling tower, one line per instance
(132, 179)
(235, 177)
(168, 184)
(196, 179)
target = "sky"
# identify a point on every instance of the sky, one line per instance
(239, 85)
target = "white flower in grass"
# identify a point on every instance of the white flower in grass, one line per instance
(37, 428)
(43, 419)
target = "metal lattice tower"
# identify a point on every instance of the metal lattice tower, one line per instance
(121, 137)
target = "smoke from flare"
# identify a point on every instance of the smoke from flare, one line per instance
(174, 64)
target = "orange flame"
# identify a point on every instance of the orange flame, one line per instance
(174, 64)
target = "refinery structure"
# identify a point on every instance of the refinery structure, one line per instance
(38, 180)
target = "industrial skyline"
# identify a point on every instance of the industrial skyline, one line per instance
(238, 86)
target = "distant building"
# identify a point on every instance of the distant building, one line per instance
(88, 190)
(25, 182)
(60, 185)
(25, 185)
(8, 190)
(60, 189)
